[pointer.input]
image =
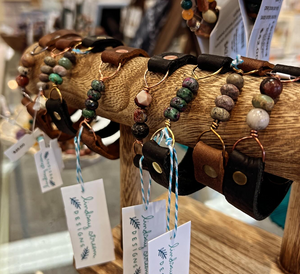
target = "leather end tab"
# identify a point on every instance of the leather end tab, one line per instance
(250, 64)
(214, 63)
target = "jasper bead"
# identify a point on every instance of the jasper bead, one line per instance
(140, 131)
(50, 61)
(60, 70)
(94, 95)
(46, 69)
(224, 101)
(209, 16)
(89, 114)
(192, 22)
(185, 94)
(91, 104)
(212, 5)
(27, 60)
(220, 114)
(42, 85)
(271, 87)
(97, 85)
(140, 116)
(186, 4)
(55, 78)
(202, 5)
(178, 103)
(44, 77)
(187, 14)
(258, 119)
(65, 62)
(235, 79)
(263, 101)
(22, 80)
(172, 113)
(230, 90)
(143, 99)
(71, 56)
(191, 83)
(23, 71)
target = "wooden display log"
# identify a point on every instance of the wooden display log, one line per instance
(280, 139)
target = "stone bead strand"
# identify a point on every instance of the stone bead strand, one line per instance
(226, 101)
(27, 61)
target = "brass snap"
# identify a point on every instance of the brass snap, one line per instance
(157, 167)
(209, 171)
(240, 178)
(170, 57)
(56, 115)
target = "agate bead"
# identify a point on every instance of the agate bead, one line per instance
(60, 70)
(235, 79)
(172, 113)
(258, 119)
(202, 5)
(46, 69)
(209, 16)
(140, 131)
(65, 62)
(178, 103)
(192, 22)
(88, 114)
(263, 101)
(94, 95)
(187, 14)
(224, 101)
(191, 83)
(44, 77)
(220, 114)
(230, 90)
(91, 104)
(23, 71)
(27, 60)
(70, 56)
(140, 116)
(185, 94)
(97, 85)
(22, 80)
(186, 4)
(271, 87)
(50, 61)
(55, 78)
(143, 99)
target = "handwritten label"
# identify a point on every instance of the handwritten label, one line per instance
(139, 227)
(88, 223)
(171, 256)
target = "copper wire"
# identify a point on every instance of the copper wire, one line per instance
(102, 78)
(86, 122)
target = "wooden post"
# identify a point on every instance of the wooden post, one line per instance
(290, 247)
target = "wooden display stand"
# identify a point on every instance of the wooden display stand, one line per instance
(219, 243)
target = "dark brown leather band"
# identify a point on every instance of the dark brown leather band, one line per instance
(250, 64)
(68, 42)
(214, 63)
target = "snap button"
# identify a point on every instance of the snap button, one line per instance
(209, 171)
(157, 167)
(240, 178)
(57, 116)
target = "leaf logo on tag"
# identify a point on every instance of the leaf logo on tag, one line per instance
(135, 222)
(75, 203)
(138, 271)
(46, 155)
(162, 253)
(52, 183)
(85, 253)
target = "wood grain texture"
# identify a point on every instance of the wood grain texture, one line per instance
(219, 244)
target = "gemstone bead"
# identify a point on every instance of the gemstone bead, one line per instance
(187, 14)
(172, 113)
(94, 95)
(202, 5)
(46, 69)
(65, 62)
(212, 5)
(263, 101)
(97, 85)
(271, 87)
(60, 70)
(140, 116)
(204, 29)
(22, 80)
(224, 101)
(71, 56)
(23, 71)
(185, 94)
(186, 4)
(89, 114)
(55, 78)
(230, 90)
(191, 83)
(44, 77)
(178, 103)
(258, 119)
(209, 16)
(235, 79)
(143, 99)
(42, 85)
(27, 60)
(220, 114)
(50, 61)
(91, 104)
(140, 131)
(192, 22)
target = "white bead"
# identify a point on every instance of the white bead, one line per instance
(209, 16)
(23, 71)
(258, 119)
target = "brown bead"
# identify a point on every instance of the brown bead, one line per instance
(44, 77)
(235, 79)
(27, 60)
(46, 69)
(230, 90)
(140, 116)
(71, 56)
(202, 5)
(205, 29)
(212, 5)
(22, 80)
(224, 101)
(271, 87)
(192, 22)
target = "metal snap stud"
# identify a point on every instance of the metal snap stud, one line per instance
(240, 178)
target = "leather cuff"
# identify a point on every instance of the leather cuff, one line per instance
(250, 64)
(68, 42)
(100, 43)
(50, 39)
(214, 63)
(294, 71)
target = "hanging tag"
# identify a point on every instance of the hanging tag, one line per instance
(139, 227)
(58, 153)
(88, 223)
(47, 168)
(169, 255)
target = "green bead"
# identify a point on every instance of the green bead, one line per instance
(186, 4)
(172, 113)
(65, 62)
(263, 101)
(89, 114)
(55, 78)
(98, 85)
(94, 95)
(178, 103)
(185, 94)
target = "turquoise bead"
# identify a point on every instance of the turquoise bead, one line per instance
(185, 94)
(89, 114)
(186, 4)
(65, 62)
(172, 113)
(55, 78)
(178, 103)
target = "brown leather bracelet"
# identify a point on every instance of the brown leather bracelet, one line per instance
(260, 67)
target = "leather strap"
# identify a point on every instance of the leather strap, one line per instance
(153, 153)
(100, 43)
(209, 166)
(50, 39)
(262, 192)
(214, 63)
(294, 71)
(250, 64)
(68, 42)
(121, 55)
(170, 61)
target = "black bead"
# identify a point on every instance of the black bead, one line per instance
(71, 56)
(91, 105)
(140, 131)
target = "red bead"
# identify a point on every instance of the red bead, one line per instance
(140, 116)
(271, 87)
(22, 81)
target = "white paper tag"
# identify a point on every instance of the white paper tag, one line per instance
(47, 168)
(171, 256)
(140, 226)
(88, 223)
(58, 153)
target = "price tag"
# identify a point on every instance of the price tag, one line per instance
(88, 223)
(139, 227)
(168, 255)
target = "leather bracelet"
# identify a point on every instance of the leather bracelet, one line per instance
(100, 43)
(214, 63)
